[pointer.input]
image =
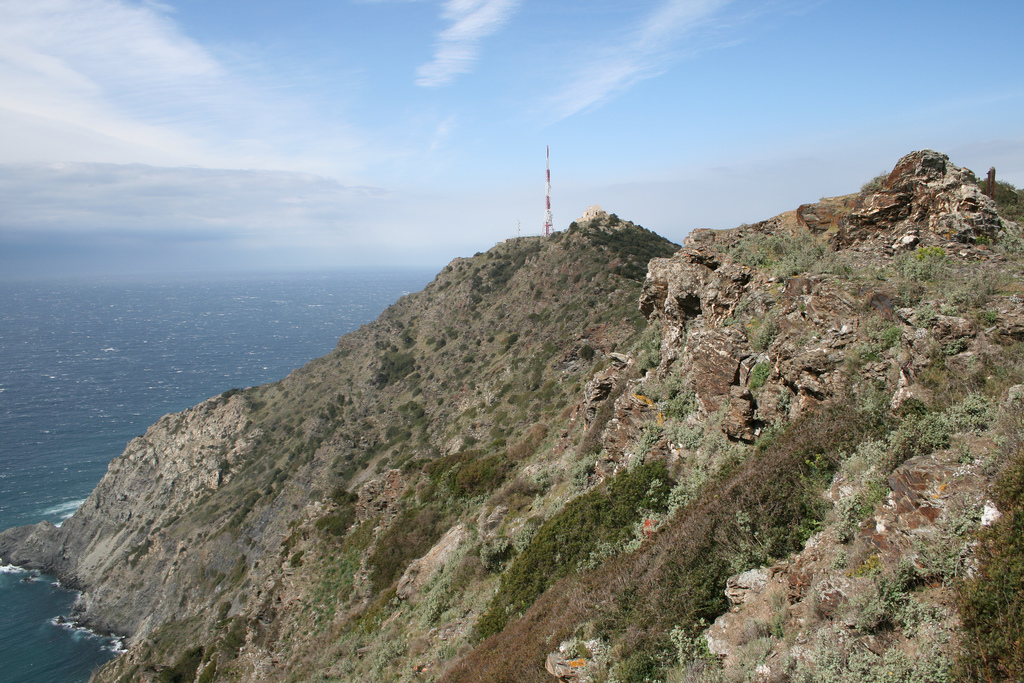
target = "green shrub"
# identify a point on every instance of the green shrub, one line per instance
(917, 436)
(875, 184)
(565, 542)
(647, 350)
(924, 265)
(480, 475)
(991, 602)
(337, 524)
(764, 335)
(393, 366)
(759, 375)
(410, 536)
(494, 552)
(184, 670)
(581, 471)
(1009, 201)
(633, 246)
(784, 255)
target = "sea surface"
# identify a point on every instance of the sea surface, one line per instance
(85, 365)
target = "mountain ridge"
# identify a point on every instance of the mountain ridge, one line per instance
(541, 465)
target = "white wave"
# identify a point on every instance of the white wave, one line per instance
(117, 645)
(65, 509)
(114, 644)
(11, 569)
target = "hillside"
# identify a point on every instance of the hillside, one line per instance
(787, 451)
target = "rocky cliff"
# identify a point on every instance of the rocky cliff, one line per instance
(769, 455)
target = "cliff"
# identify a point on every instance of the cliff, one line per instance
(774, 454)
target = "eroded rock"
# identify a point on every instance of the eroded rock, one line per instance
(420, 571)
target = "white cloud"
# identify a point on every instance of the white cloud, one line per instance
(653, 44)
(243, 206)
(458, 46)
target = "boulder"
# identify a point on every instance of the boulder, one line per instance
(422, 570)
(380, 495)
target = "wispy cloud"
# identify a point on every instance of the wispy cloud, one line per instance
(118, 81)
(98, 66)
(648, 49)
(458, 46)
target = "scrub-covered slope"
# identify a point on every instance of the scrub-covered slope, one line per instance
(788, 451)
(326, 485)
(838, 389)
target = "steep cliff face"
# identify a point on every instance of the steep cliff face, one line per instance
(120, 544)
(512, 475)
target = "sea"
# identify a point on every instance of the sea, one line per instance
(88, 364)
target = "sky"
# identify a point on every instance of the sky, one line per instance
(209, 136)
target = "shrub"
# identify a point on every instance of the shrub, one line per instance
(184, 670)
(338, 523)
(493, 553)
(566, 541)
(991, 603)
(917, 436)
(480, 475)
(648, 348)
(875, 184)
(924, 265)
(581, 471)
(764, 335)
(633, 246)
(759, 375)
(1009, 201)
(393, 366)
(784, 255)
(410, 536)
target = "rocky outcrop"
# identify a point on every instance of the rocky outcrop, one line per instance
(161, 475)
(693, 283)
(926, 192)
(420, 571)
(379, 496)
(720, 319)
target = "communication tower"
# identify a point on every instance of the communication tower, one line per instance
(547, 197)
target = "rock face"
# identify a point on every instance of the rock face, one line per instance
(160, 476)
(420, 571)
(926, 192)
(721, 319)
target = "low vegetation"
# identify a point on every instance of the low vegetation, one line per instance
(606, 529)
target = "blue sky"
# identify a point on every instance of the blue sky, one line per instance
(220, 135)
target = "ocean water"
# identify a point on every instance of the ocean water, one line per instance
(86, 365)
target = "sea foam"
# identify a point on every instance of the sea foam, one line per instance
(65, 509)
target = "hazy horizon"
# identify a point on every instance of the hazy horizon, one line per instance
(184, 136)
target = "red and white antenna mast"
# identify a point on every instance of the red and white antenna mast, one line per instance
(547, 198)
